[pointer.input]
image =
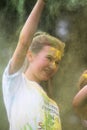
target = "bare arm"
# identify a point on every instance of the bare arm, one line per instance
(80, 103)
(26, 36)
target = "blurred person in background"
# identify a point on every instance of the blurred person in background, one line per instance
(80, 100)
(35, 60)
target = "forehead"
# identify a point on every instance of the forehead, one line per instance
(52, 51)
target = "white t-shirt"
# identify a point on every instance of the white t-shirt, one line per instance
(28, 106)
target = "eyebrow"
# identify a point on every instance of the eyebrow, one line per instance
(54, 57)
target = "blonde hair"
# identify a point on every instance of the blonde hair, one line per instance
(42, 39)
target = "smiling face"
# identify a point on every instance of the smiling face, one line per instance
(44, 64)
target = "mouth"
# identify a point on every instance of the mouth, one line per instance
(48, 71)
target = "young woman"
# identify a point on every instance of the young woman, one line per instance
(36, 59)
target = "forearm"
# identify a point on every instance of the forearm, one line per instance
(80, 103)
(81, 97)
(31, 24)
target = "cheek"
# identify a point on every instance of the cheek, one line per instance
(42, 63)
(39, 63)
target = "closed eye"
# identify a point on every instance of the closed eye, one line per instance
(49, 58)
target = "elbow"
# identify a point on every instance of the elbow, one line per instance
(22, 39)
(25, 38)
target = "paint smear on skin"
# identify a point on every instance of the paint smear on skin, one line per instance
(84, 75)
(56, 53)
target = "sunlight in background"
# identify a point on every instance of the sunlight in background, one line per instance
(62, 29)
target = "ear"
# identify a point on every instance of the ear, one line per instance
(29, 56)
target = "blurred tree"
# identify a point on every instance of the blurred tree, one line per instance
(16, 11)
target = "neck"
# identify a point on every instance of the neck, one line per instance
(30, 76)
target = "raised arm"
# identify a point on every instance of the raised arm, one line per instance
(26, 36)
(80, 103)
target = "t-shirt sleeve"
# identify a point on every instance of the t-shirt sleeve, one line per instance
(21, 70)
(10, 85)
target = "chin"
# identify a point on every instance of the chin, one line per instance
(46, 78)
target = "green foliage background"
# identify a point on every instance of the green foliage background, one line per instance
(13, 14)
